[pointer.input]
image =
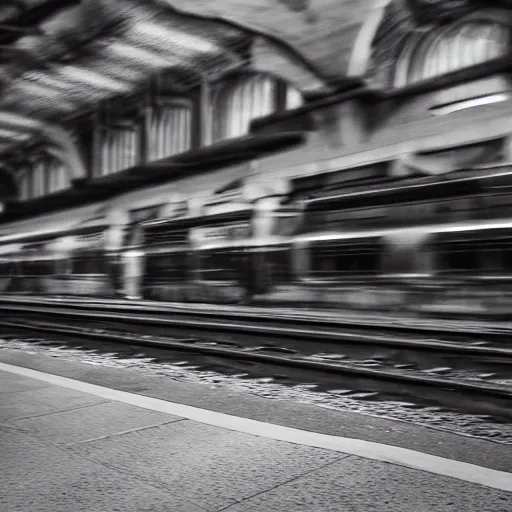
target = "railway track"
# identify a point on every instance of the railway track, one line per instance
(454, 370)
(455, 328)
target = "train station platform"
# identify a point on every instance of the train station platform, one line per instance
(131, 444)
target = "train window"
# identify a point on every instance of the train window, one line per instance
(495, 260)
(62, 266)
(164, 235)
(286, 224)
(462, 256)
(507, 261)
(168, 267)
(280, 266)
(481, 252)
(460, 260)
(329, 260)
(35, 268)
(220, 266)
(400, 259)
(92, 263)
(7, 269)
(496, 255)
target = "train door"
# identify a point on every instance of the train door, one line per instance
(271, 258)
(133, 271)
(132, 264)
(406, 254)
(408, 268)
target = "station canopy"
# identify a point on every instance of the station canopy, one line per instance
(62, 57)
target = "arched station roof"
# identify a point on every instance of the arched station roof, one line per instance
(59, 55)
(62, 57)
(399, 24)
(323, 32)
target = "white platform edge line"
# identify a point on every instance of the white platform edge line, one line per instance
(374, 451)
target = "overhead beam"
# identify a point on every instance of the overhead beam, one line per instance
(32, 18)
(270, 58)
(361, 51)
(231, 14)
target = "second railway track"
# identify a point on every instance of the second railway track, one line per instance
(448, 369)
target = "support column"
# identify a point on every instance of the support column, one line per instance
(507, 149)
(351, 116)
(144, 115)
(97, 137)
(205, 113)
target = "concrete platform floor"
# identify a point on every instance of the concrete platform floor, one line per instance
(72, 446)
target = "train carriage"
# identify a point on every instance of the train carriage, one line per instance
(414, 244)
(223, 270)
(370, 248)
(472, 266)
(88, 269)
(66, 262)
(192, 259)
(37, 267)
(165, 259)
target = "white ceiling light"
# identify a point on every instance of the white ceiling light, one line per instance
(10, 134)
(117, 69)
(143, 56)
(44, 79)
(92, 78)
(74, 91)
(172, 36)
(13, 120)
(40, 90)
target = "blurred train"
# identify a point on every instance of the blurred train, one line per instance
(385, 244)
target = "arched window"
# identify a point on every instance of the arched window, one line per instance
(25, 186)
(451, 48)
(169, 128)
(38, 173)
(119, 148)
(43, 176)
(239, 102)
(57, 176)
(293, 98)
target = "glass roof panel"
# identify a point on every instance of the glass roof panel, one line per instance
(14, 135)
(89, 77)
(99, 49)
(159, 34)
(150, 58)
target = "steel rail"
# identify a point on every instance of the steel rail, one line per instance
(339, 368)
(284, 330)
(277, 315)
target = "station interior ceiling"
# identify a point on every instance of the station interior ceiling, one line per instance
(58, 58)
(62, 57)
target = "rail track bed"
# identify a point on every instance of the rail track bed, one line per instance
(436, 368)
(456, 328)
